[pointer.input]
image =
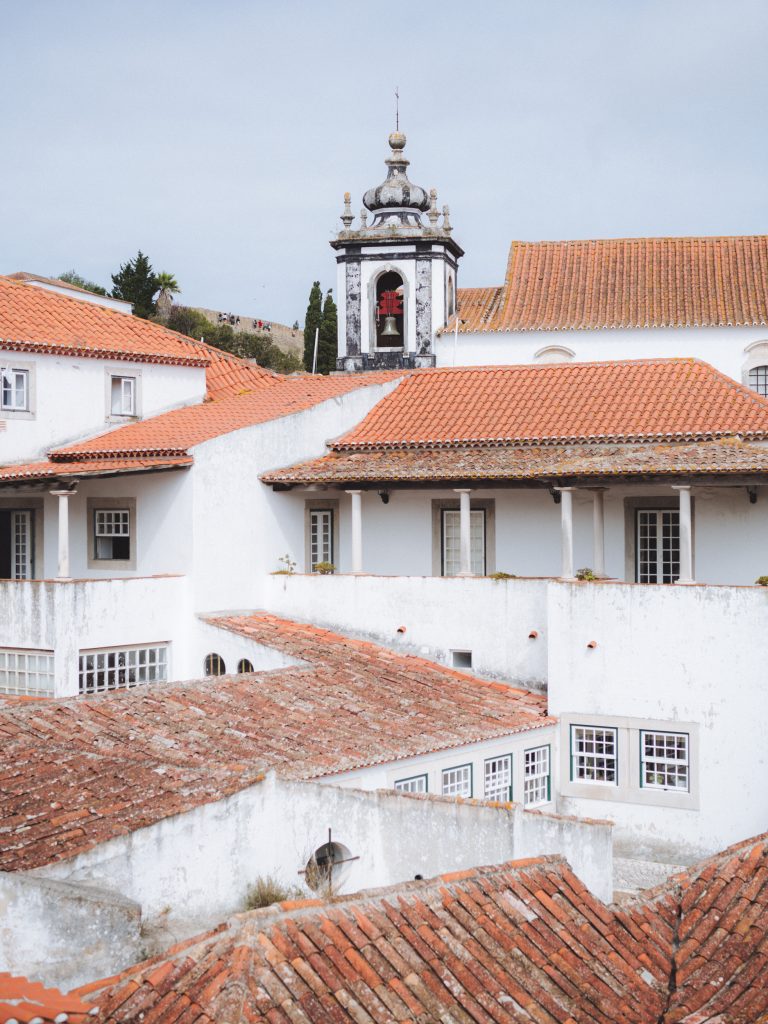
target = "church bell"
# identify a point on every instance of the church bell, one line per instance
(390, 328)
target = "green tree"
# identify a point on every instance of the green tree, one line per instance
(327, 347)
(311, 321)
(136, 282)
(72, 277)
(168, 287)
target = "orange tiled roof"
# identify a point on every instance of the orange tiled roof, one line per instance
(174, 433)
(85, 771)
(26, 1001)
(103, 467)
(640, 400)
(228, 375)
(624, 282)
(35, 320)
(546, 462)
(520, 942)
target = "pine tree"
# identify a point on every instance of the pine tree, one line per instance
(136, 282)
(311, 321)
(328, 345)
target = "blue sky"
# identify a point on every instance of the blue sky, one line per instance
(219, 137)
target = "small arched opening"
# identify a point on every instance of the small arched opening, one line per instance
(214, 665)
(389, 318)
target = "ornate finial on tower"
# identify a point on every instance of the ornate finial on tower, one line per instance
(347, 216)
(446, 223)
(363, 218)
(433, 212)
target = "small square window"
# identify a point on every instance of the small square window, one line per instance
(664, 760)
(457, 781)
(461, 659)
(122, 396)
(14, 393)
(112, 534)
(593, 755)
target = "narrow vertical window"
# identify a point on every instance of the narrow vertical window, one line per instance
(320, 536)
(658, 545)
(497, 782)
(21, 525)
(537, 785)
(451, 541)
(123, 396)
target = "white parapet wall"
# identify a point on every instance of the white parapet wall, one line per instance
(503, 623)
(190, 871)
(66, 617)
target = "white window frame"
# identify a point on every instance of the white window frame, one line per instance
(497, 778)
(451, 519)
(23, 373)
(126, 389)
(413, 784)
(322, 526)
(663, 764)
(537, 775)
(760, 382)
(26, 673)
(660, 567)
(122, 668)
(586, 741)
(96, 506)
(457, 781)
(110, 524)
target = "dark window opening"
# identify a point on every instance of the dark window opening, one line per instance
(214, 665)
(390, 313)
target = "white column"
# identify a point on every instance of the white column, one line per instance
(686, 534)
(357, 531)
(566, 527)
(63, 496)
(465, 531)
(598, 530)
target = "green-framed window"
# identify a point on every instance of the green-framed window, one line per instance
(594, 755)
(537, 781)
(457, 781)
(413, 784)
(497, 778)
(665, 760)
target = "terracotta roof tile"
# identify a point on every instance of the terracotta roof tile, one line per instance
(624, 282)
(24, 1001)
(81, 771)
(519, 942)
(727, 457)
(228, 375)
(628, 400)
(101, 467)
(35, 320)
(174, 433)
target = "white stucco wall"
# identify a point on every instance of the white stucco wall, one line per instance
(693, 657)
(69, 399)
(190, 871)
(723, 347)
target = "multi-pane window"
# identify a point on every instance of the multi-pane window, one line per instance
(320, 536)
(758, 380)
(664, 760)
(26, 673)
(416, 784)
(112, 534)
(123, 396)
(497, 778)
(593, 754)
(536, 784)
(14, 393)
(457, 781)
(451, 541)
(658, 545)
(214, 665)
(118, 668)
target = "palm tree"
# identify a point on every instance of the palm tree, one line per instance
(168, 287)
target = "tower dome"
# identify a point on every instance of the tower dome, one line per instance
(397, 193)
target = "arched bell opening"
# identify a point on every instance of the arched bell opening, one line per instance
(389, 318)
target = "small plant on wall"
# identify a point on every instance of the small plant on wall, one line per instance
(288, 566)
(762, 581)
(585, 575)
(267, 890)
(325, 568)
(502, 576)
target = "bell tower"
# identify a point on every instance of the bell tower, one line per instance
(396, 277)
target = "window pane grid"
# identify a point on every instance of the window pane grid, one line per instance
(122, 667)
(452, 541)
(536, 784)
(457, 781)
(497, 781)
(593, 754)
(26, 673)
(320, 536)
(758, 380)
(664, 760)
(658, 545)
(22, 548)
(418, 784)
